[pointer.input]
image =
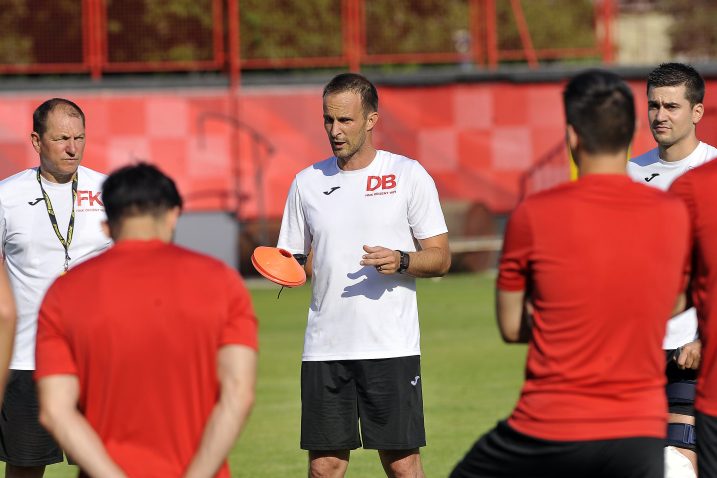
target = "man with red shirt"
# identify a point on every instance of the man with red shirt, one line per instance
(697, 188)
(589, 275)
(146, 354)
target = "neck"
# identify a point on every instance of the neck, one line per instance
(142, 228)
(56, 178)
(359, 160)
(602, 163)
(679, 150)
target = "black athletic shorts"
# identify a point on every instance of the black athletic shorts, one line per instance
(675, 374)
(383, 395)
(505, 453)
(23, 441)
(706, 445)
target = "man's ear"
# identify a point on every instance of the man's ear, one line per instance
(571, 137)
(172, 217)
(371, 120)
(697, 112)
(35, 138)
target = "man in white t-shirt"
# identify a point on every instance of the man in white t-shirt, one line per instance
(674, 107)
(373, 222)
(50, 219)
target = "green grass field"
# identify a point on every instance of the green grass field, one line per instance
(470, 379)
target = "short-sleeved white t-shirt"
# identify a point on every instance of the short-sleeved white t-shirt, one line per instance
(649, 169)
(356, 312)
(33, 254)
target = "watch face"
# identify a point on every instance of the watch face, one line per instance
(404, 261)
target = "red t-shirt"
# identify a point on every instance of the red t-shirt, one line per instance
(602, 260)
(140, 325)
(698, 189)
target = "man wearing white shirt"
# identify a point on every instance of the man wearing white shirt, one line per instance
(675, 93)
(50, 219)
(361, 212)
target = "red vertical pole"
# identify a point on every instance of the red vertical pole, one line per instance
(474, 22)
(524, 33)
(234, 99)
(608, 16)
(491, 34)
(92, 12)
(234, 62)
(352, 21)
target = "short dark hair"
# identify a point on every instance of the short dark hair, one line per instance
(39, 117)
(600, 107)
(358, 84)
(138, 190)
(675, 74)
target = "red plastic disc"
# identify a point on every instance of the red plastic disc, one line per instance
(278, 265)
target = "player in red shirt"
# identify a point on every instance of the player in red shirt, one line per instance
(590, 273)
(146, 354)
(697, 189)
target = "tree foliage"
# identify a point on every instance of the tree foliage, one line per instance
(694, 29)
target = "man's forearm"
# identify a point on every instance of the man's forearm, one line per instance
(80, 441)
(223, 427)
(430, 262)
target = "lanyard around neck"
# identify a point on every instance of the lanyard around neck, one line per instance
(53, 220)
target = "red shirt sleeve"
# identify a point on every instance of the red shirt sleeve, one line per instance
(241, 326)
(53, 355)
(517, 246)
(682, 187)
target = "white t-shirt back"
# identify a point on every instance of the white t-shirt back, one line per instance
(33, 254)
(356, 312)
(649, 169)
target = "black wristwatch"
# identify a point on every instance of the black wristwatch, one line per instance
(403, 265)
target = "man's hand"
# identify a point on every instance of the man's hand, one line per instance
(690, 355)
(386, 261)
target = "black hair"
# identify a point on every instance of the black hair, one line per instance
(600, 106)
(137, 190)
(358, 84)
(39, 117)
(675, 74)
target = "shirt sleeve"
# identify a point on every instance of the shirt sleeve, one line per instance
(53, 354)
(294, 235)
(517, 246)
(241, 324)
(682, 188)
(425, 216)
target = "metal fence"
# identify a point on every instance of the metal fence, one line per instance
(99, 37)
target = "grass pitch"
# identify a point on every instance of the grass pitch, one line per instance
(470, 379)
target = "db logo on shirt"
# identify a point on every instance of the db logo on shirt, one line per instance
(384, 182)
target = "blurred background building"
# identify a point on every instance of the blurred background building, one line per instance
(224, 95)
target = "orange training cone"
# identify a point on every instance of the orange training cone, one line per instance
(278, 265)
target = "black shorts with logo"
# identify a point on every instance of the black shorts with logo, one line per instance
(23, 441)
(383, 395)
(706, 445)
(505, 453)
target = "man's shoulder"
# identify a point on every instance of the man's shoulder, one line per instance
(325, 167)
(90, 175)
(18, 178)
(13, 188)
(650, 157)
(398, 160)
